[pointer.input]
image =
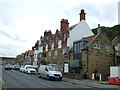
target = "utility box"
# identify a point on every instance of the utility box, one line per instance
(115, 71)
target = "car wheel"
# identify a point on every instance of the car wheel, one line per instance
(60, 79)
(39, 75)
(47, 77)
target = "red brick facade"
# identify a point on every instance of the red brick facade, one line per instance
(64, 30)
(49, 38)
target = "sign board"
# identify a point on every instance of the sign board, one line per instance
(66, 68)
(115, 71)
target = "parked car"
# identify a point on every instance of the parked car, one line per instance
(22, 69)
(12, 66)
(49, 72)
(8, 67)
(16, 67)
(29, 69)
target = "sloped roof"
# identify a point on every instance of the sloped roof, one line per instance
(79, 31)
(70, 28)
(116, 40)
(30, 52)
(90, 38)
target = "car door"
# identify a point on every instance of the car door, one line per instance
(46, 72)
(41, 71)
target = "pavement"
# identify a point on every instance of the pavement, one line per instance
(0, 83)
(90, 83)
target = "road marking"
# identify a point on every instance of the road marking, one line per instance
(45, 84)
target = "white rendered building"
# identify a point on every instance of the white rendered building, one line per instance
(78, 31)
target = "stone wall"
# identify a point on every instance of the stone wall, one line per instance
(98, 59)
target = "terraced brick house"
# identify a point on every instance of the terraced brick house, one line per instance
(58, 48)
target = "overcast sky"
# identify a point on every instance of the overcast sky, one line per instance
(22, 22)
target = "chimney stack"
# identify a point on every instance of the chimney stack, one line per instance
(33, 48)
(64, 25)
(82, 15)
(99, 29)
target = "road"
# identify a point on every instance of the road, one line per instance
(16, 79)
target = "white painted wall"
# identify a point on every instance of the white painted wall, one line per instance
(119, 12)
(78, 32)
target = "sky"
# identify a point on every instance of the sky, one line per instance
(22, 22)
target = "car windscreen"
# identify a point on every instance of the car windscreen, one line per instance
(30, 67)
(52, 68)
(9, 65)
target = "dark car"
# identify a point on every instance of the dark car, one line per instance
(16, 67)
(8, 67)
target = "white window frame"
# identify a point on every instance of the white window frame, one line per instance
(56, 52)
(49, 53)
(52, 48)
(46, 47)
(107, 47)
(60, 44)
(97, 46)
(65, 37)
(64, 51)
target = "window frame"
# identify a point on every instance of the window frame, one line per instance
(56, 52)
(49, 53)
(97, 46)
(106, 47)
(64, 51)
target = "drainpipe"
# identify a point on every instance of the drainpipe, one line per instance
(114, 56)
(87, 58)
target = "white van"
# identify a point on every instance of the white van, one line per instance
(49, 72)
(29, 69)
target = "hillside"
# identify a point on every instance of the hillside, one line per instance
(111, 32)
(8, 58)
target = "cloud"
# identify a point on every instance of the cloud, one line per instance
(10, 50)
(13, 37)
(22, 22)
